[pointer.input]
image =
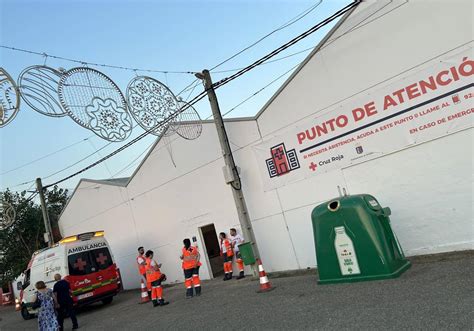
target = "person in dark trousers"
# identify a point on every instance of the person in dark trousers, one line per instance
(190, 256)
(62, 292)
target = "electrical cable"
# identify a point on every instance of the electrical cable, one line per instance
(288, 44)
(45, 156)
(260, 90)
(95, 64)
(267, 62)
(285, 25)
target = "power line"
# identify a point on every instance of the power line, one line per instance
(305, 50)
(267, 62)
(260, 90)
(288, 44)
(45, 156)
(135, 160)
(129, 165)
(257, 92)
(285, 25)
(81, 62)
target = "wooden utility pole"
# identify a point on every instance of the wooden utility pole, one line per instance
(47, 223)
(232, 174)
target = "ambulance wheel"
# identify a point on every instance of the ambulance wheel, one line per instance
(107, 301)
(25, 314)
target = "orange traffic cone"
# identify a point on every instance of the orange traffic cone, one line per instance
(265, 285)
(144, 293)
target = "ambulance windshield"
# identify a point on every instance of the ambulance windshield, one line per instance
(87, 262)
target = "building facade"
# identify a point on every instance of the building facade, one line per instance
(383, 105)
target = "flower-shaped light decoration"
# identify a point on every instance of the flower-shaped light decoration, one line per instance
(94, 101)
(108, 119)
(151, 103)
(9, 98)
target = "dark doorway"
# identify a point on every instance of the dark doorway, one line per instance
(211, 242)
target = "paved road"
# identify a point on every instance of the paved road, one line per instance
(435, 294)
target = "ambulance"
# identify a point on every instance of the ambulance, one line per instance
(84, 260)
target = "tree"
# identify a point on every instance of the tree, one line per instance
(25, 236)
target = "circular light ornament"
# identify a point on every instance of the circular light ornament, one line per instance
(38, 87)
(188, 123)
(151, 103)
(7, 214)
(95, 102)
(9, 98)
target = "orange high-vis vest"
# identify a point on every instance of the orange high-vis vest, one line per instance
(226, 247)
(151, 273)
(190, 258)
(141, 267)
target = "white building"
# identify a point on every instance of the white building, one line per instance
(383, 105)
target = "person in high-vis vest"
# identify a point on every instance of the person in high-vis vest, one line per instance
(227, 253)
(236, 239)
(155, 277)
(190, 256)
(141, 264)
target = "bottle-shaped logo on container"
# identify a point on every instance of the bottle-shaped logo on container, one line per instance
(345, 252)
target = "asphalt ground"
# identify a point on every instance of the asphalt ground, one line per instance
(436, 293)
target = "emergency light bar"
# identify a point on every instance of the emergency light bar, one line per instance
(82, 236)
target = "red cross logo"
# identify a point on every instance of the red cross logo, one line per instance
(278, 154)
(101, 258)
(80, 264)
(313, 166)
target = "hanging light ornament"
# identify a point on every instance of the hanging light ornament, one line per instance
(9, 98)
(151, 102)
(188, 123)
(38, 87)
(7, 214)
(95, 102)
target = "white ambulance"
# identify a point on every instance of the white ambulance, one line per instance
(84, 260)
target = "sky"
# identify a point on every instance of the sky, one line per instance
(160, 35)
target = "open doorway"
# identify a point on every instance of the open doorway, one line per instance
(211, 242)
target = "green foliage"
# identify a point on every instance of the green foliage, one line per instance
(26, 235)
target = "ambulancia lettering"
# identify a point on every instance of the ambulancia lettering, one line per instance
(86, 248)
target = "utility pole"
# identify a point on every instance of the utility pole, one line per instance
(47, 224)
(231, 169)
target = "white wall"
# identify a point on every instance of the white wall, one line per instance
(428, 187)
(178, 189)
